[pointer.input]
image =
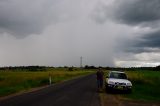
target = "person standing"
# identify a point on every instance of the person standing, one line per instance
(100, 75)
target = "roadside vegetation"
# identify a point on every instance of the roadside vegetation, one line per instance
(146, 85)
(21, 79)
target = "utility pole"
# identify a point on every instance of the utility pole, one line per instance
(81, 65)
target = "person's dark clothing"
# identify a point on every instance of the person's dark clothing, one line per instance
(99, 75)
(100, 79)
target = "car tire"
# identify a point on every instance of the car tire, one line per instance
(108, 89)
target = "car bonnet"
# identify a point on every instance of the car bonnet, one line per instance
(119, 80)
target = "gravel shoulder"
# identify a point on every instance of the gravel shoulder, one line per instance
(115, 100)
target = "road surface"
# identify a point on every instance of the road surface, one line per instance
(77, 92)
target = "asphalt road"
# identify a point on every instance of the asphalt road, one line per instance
(77, 92)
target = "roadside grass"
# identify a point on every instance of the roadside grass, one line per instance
(146, 85)
(16, 81)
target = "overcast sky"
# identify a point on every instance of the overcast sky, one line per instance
(123, 33)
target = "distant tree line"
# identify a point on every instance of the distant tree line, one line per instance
(157, 68)
(24, 68)
(44, 68)
(97, 67)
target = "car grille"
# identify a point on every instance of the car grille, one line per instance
(117, 83)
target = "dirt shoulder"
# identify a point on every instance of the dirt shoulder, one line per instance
(116, 100)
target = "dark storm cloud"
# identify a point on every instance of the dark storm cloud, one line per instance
(24, 17)
(150, 40)
(146, 43)
(144, 13)
(137, 50)
(131, 12)
(138, 11)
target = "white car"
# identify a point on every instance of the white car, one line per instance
(117, 80)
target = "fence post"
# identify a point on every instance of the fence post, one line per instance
(50, 79)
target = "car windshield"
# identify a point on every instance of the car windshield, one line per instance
(118, 75)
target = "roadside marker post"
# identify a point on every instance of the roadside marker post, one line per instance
(50, 79)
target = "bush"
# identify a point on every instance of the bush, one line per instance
(70, 69)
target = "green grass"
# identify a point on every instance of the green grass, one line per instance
(146, 85)
(16, 81)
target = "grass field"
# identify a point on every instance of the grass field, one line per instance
(16, 81)
(146, 85)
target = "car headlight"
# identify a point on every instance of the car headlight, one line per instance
(110, 82)
(129, 84)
